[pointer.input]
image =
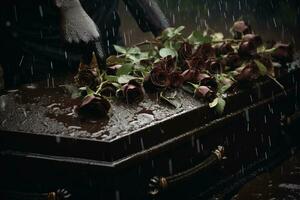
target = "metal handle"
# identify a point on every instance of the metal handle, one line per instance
(158, 184)
(60, 194)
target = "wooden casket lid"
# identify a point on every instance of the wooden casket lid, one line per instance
(39, 119)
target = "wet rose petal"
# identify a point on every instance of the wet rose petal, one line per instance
(184, 53)
(176, 79)
(284, 52)
(93, 107)
(87, 77)
(248, 73)
(133, 91)
(108, 90)
(241, 28)
(204, 92)
(214, 66)
(224, 48)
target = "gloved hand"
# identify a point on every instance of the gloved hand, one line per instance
(78, 28)
(76, 25)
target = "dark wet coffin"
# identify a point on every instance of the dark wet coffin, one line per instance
(45, 147)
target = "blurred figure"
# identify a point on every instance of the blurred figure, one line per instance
(43, 37)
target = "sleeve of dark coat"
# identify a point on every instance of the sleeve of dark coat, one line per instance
(148, 15)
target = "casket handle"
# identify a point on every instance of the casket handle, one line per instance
(60, 194)
(158, 184)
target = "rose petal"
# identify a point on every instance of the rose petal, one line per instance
(133, 91)
(176, 79)
(241, 28)
(283, 53)
(93, 107)
(203, 92)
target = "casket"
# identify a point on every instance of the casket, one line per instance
(144, 151)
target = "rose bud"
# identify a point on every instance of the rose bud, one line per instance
(159, 78)
(176, 79)
(195, 63)
(241, 28)
(224, 49)
(191, 75)
(205, 51)
(214, 66)
(283, 53)
(249, 45)
(87, 77)
(184, 53)
(203, 92)
(249, 73)
(209, 81)
(232, 60)
(93, 107)
(247, 49)
(133, 91)
(108, 90)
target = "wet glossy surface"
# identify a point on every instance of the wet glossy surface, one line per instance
(44, 110)
(281, 183)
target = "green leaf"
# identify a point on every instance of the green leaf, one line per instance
(171, 100)
(188, 88)
(120, 49)
(89, 91)
(220, 107)
(179, 29)
(111, 78)
(263, 49)
(125, 69)
(216, 37)
(270, 50)
(134, 50)
(224, 88)
(214, 103)
(164, 52)
(198, 38)
(261, 67)
(125, 79)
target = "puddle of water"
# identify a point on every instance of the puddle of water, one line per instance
(283, 182)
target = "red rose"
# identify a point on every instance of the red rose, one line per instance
(93, 107)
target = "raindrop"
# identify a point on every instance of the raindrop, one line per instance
(152, 164)
(117, 193)
(256, 151)
(274, 21)
(198, 145)
(57, 139)
(21, 61)
(66, 55)
(41, 11)
(170, 166)
(15, 12)
(142, 144)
